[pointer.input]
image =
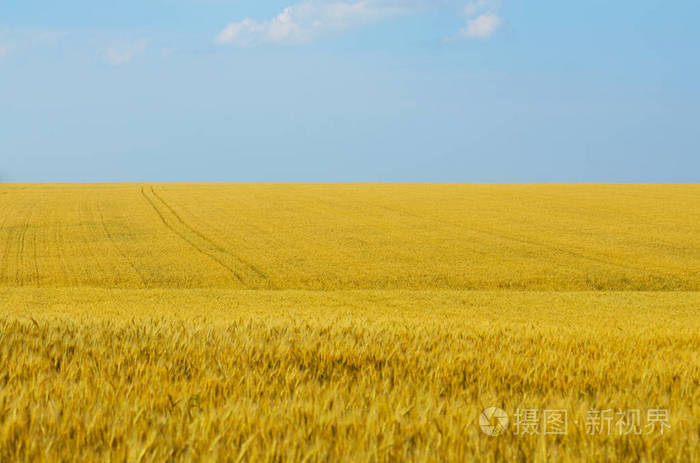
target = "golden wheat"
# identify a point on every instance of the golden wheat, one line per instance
(272, 322)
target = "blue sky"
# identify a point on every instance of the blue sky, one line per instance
(355, 90)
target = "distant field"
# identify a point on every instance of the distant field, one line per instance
(259, 236)
(360, 322)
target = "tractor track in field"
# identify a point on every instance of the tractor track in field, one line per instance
(605, 260)
(36, 260)
(117, 248)
(189, 239)
(86, 220)
(21, 240)
(216, 246)
(5, 249)
(57, 238)
(20, 256)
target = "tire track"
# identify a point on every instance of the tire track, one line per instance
(6, 250)
(86, 221)
(272, 240)
(58, 241)
(605, 260)
(183, 236)
(117, 248)
(36, 261)
(222, 250)
(19, 257)
(19, 260)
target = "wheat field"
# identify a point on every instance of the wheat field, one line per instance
(347, 322)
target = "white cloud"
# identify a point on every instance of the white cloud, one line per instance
(6, 43)
(304, 21)
(124, 52)
(23, 39)
(477, 6)
(47, 37)
(483, 20)
(482, 27)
